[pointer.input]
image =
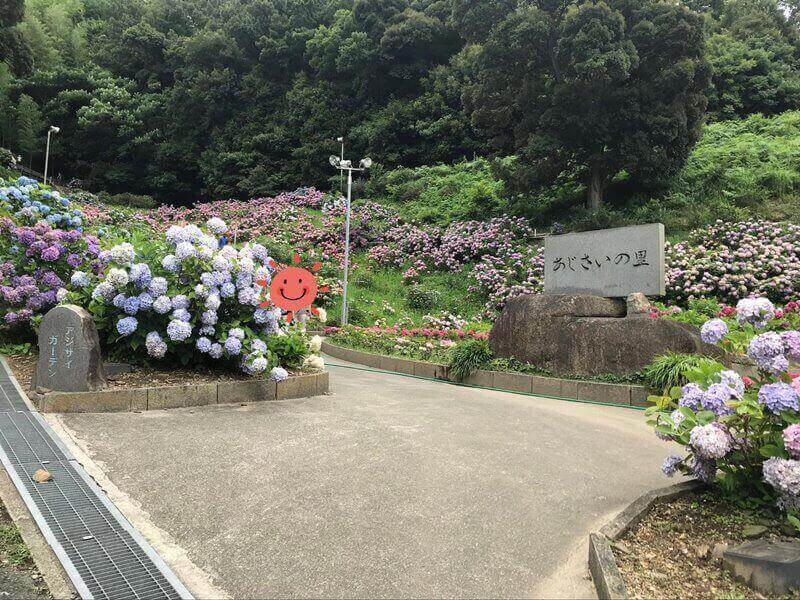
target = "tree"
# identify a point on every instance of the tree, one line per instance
(594, 87)
(11, 12)
(29, 126)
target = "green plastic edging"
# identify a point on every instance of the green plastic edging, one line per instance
(483, 387)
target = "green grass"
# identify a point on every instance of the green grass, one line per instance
(381, 293)
(12, 549)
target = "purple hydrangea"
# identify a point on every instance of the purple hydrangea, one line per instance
(791, 440)
(127, 325)
(779, 397)
(258, 346)
(766, 350)
(734, 382)
(215, 351)
(180, 301)
(791, 345)
(711, 441)
(783, 475)
(670, 465)
(691, 396)
(716, 399)
(756, 311)
(704, 470)
(713, 331)
(156, 347)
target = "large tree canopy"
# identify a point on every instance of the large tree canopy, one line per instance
(185, 99)
(598, 86)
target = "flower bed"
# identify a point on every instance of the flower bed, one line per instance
(741, 432)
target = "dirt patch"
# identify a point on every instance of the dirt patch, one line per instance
(676, 551)
(19, 577)
(25, 366)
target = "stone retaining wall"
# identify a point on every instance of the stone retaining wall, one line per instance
(181, 396)
(613, 393)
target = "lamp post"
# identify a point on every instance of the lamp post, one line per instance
(53, 129)
(340, 139)
(346, 165)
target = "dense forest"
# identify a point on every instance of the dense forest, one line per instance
(191, 99)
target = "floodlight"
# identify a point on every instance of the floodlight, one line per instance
(55, 129)
(366, 163)
(334, 160)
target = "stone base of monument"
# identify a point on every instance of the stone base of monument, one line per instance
(588, 335)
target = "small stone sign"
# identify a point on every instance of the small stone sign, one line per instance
(610, 262)
(69, 351)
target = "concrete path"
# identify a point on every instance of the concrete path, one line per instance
(388, 487)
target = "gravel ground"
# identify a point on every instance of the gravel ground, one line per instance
(19, 577)
(675, 552)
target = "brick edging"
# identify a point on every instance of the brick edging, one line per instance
(602, 565)
(181, 396)
(571, 389)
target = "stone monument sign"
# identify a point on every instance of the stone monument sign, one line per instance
(611, 263)
(69, 351)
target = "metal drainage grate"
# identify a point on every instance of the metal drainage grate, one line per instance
(104, 556)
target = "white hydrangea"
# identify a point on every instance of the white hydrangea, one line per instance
(315, 344)
(123, 254)
(216, 226)
(171, 263)
(117, 277)
(184, 251)
(314, 361)
(79, 279)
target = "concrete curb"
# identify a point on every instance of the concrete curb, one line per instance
(181, 396)
(602, 565)
(571, 389)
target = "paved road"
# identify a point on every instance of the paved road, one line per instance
(388, 487)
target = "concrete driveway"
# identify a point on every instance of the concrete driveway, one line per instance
(388, 487)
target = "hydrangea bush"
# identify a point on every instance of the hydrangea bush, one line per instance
(192, 299)
(28, 202)
(745, 429)
(39, 262)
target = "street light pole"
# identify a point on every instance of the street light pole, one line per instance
(53, 129)
(340, 139)
(346, 243)
(346, 165)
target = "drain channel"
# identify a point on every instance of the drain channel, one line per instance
(103, 555)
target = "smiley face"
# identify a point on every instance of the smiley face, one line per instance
(293, 289)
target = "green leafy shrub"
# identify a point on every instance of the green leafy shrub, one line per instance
(467, 357)
(443, 193)
(672, 370)
(130, 200)
(6, 158)
(423, 299)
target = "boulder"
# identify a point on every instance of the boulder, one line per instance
(586, 335)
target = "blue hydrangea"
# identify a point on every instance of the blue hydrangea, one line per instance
(215, 351)
(178, 331)
(207, 330)
(181, 314)
(233, 346)
(171, 263)
(258, 346)
(779, 397)
(127, 325)
(259, 365)
(237, 332)
(227, 290)
(734, 382)
(145, 301)
(180, 301)
(713, 331)
(710, 441)
(278, 374)
(156, 347)
(705, 470)
(185, 251)
(140, 274)
(209, 317)
(162, 305)
(131, 306)
(203, 345)
(80, 279)
(158, 286)
(119, 300)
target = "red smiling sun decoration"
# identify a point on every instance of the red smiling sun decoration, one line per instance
(292, 289)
